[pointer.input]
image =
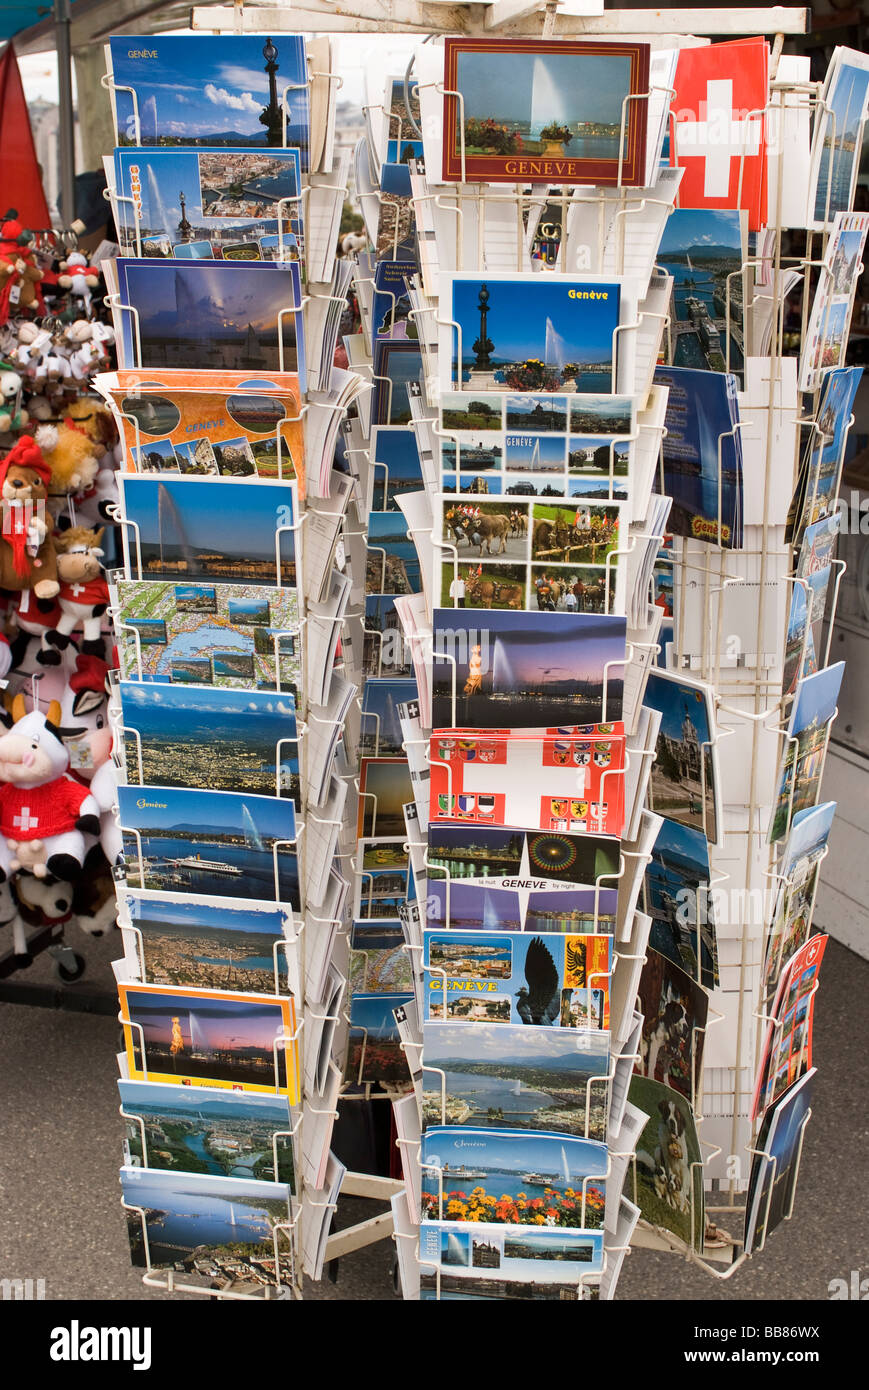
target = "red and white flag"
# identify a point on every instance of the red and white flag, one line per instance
(718, 127)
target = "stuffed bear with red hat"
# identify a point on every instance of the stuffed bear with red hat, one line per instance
(28, 559)
(19, 273)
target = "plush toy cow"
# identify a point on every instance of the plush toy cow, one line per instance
(44, 813)
(83, 596)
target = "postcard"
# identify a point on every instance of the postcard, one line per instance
(772, 1185)
(397, 367)
(667, 1186)
(571, 781)
(516, 977)
(522, 859)
(219, 529)
(684, 781)
(499, 1075)
(527, 1173)
(530, 334)
(210, 1038)
(218, 843)
(490, 1259)
(526, 670)
(386, 651)
(247, 435)
(381, 735)
(228, 740)
(384, 789)
(391, 303)
(704, 250)
(186, 198)
(218, 1134)
(396, 223)
(676, 896)
(204, 89)
(228, 635)
(802, 760)
(787, 1047)
(809, 600)
(821, 469)
(209, 946)
(702, 455)
(395, 467)
(379, 960)
(217, 314)
(553, 907)
(374, 1051)
(391, 563)
(544, 111)
(839, 118)
(675, 1010)
(401, 102)
(791, 924)
(522, 464)
(382, 883)
(223, 1229)
(830, 318)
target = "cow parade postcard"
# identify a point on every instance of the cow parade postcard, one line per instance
(545, 111)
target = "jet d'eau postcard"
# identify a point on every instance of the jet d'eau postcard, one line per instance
(223, 315)
(204, 89)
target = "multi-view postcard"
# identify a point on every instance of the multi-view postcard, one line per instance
(380, 962)
(554, 783)
(526, 670)
(202, 89)
(470, 1260)
(213, 434)
(521, 464)
(222, 1229)
(787, 1048)
(210, 1038)
(223, 844)
(214, 1133)
(208, 944)
(702, 454)
(170, 199)
(497, 1176)
(219, 314)
(228, 635)
(668, 1175)
(374, 1051)
(820, 471)
(202, 736)
(498, 977)
(503, 1076)
(684, 782)
(542, 556)
(402, 119)
(802, 760)
(509, 333)
(675, 1010)
(545, 111)
(677, 898)
(704, 250)
(382, 881)
(190, 529)
(521, 859)
(809, 599)
(800, 867)
(776, 1164)
(830, 318)
(554, 907)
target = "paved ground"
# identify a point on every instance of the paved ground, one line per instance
(60, 1215)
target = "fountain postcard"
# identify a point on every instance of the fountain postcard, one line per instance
(225, 315)
(175, 197)
(545, 111)
(527, 1173)
(210, 1132)
(217, 843)
(555, 980)
(460, 1260)
(204, 89)
(505, 1076)
(223, 1230)
(228, 635)
(210, 1038)
(208, 943)
(205, 736)
(210, 529)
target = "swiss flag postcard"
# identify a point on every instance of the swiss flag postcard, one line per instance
(718, 125)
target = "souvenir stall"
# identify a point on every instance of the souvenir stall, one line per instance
(419, 636)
